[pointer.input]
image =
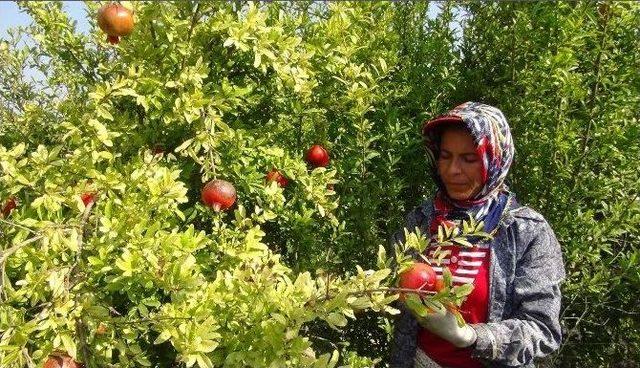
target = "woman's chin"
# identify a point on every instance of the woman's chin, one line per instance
(458, 196)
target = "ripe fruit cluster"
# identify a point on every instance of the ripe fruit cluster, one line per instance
(221, 195)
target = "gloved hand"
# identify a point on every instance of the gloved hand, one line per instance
(444, 324)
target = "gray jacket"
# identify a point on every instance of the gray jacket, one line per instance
(526, 270)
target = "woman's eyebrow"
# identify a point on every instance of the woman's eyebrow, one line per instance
(463, 154)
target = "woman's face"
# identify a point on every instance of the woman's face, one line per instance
(459, 166)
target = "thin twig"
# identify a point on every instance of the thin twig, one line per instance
(569, 333)
(6, 253)
(390, 290)
(194, 20)
(18, 225)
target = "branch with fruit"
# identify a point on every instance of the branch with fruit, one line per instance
(419, 275)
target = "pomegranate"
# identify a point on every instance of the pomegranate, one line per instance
(317, 156)
(9, 206)
(61, 361)
(157, 150)
(275, 175)
(116, 21)
(219, 194)
(88, 198)
(420, 276)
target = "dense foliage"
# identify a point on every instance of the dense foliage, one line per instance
(146, 275)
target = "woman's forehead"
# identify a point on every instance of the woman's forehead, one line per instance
(457, 140)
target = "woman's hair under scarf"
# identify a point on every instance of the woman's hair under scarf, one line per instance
(494, 145)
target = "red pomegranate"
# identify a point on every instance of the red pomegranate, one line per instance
(275, 175)
(420, 276)
(61, 361)
(9, 206)
(88, 198)
(116, 21)
(317, 156)
(219, 194)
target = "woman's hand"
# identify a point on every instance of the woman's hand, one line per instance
(444, 324)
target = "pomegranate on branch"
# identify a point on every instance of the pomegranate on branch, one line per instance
(317, 156)
(61, 361)
(219, 194)
(275, 175)
(419, 276)
(116, 21)
(9, 206)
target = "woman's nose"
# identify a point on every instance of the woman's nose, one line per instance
(453, 167)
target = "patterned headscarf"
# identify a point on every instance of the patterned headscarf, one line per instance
(494, 146)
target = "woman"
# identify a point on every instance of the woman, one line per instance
(512, 315)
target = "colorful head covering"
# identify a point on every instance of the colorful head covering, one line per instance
(492, 137)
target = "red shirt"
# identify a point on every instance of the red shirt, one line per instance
(467, 265)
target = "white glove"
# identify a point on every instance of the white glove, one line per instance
(445, 325)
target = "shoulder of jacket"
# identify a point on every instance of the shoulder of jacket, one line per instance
(420, 211)
(527, 213)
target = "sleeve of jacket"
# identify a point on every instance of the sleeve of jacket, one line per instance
(405, 326)
(533, 328)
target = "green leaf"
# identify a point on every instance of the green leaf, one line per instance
(434, 307)
(68, 342)
(462, 241)
(447, 276)
(336, 319)
(463, 290)
(104, 113)
(204, 361)
(414, 303)
(382, 257)
(164, 336)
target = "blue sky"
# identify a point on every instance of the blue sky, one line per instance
(10, 16)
